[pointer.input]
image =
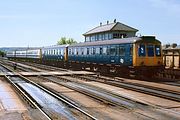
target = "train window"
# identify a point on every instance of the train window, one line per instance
(87, 51)
(93, 51)
(150, 50)
(98, 50)
(75, 51)
(121, 50)
(131, 50)
(57, 52)
(141, 50)
(101, 50)
(104, 50)
(158, 50)
(70, 51)
(82, 51)
(62, 51)
(112, 50)
(51, 52)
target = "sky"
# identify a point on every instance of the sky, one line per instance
(37, 23)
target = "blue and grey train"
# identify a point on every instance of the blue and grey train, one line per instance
(141, 54)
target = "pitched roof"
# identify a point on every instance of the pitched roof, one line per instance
(171, 48)
(110, 26)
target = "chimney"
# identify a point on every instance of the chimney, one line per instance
(167, 45)
(173, 45)
(114, 20)
(100, 23)
(107, 22)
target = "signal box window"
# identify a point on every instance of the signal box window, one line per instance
(158, 50)
(150, 50)
(141, 50)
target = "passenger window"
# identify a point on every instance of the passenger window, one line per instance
(150, 49)
(112, 50)
(97, 50)
(101, 50)
(87, 51)
(94, 51)
(72, 51)
(82, 51)
(69, 51)
(121, 51)
(104, 50)
(77, 51)
(141, 50)
(158, 50)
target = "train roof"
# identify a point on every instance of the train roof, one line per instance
(113, 41)
(55, 46)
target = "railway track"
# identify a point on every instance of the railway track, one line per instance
(113, 99)
(172, 83)
(106, 96)
(47, 102)
(160, 92)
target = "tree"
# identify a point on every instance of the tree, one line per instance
(64, 40)
(2, 54)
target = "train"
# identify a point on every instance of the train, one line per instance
(133, 56)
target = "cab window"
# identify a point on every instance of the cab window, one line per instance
(150, 50)
(158, 50)
(131, 50)
(141, 50)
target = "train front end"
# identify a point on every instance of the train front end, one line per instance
(147, 56)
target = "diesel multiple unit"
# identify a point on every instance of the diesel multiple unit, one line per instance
(112, 47)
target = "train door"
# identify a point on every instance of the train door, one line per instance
(122, 54)
(113, 54)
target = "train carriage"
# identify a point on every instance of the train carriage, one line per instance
(55, 55)
(139, 53)
(10, 54)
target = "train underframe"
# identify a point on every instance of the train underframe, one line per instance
(140, 72)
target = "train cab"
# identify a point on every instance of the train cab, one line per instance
(147, 55)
